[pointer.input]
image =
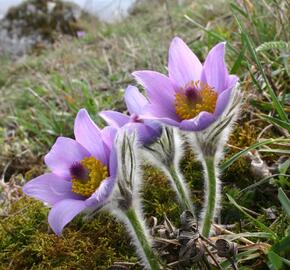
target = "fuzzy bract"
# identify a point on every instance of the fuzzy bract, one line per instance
(192, 96)
(82, 172)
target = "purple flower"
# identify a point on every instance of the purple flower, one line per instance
(193, 95)
(81, 34)
(83, 172)
(147, 131)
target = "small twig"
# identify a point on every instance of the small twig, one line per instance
(210, 254)
(263, 131)
(250, 211)
(264, 180)
(222, 230)
(207, 241)
(234, 147)
(167, 241)
(4, 170)
(233, 263)
(264, 247)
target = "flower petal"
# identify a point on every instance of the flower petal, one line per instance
(200, 122)
(108, 136)
(115, 119)
(135, 101)
(154, 130)
(215, 72)
(63, 212)
(49, 188)
(183, 65)
(222, 101)
(155, 112)
(63, 154)
(101, 195)
(88, 135)
(146, 134)
(232, 81)
(160, 90)
(113, 162)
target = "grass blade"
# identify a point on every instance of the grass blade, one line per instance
(243, 256)
(276, 121)
(284, 201)
(248, 43)
(254, 221)
(238, 62)
(276, 151)
(236, 156)
(282, 246)
(211, 33)
(275, 262)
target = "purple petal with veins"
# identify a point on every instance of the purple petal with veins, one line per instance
(64, 159)
(187, 76)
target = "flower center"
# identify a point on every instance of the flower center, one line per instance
(195, 98)
(87, 176)
(135, 118)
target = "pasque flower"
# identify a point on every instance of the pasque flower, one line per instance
(83, 172)
(147, 131)
(193, 95)
(204, 99)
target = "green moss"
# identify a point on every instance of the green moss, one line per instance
(239, 172)
(28, 243)
(44, 22)
(158, 196)
(193, 174)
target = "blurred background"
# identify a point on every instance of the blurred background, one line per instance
(28, 24)
(108, 10)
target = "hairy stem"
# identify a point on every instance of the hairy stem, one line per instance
(181, 189)
(143, 243)
(211, 196)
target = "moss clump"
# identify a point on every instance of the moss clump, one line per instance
(239, 172)
(159, 198)
(38, 23)
(43, 17)
(162, 197)
(193, 174)
(28, 243)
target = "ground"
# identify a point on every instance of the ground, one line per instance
(41, 94)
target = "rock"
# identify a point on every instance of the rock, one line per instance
(36, 24)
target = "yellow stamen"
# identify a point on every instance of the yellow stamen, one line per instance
(97, 172)
(188, 106)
